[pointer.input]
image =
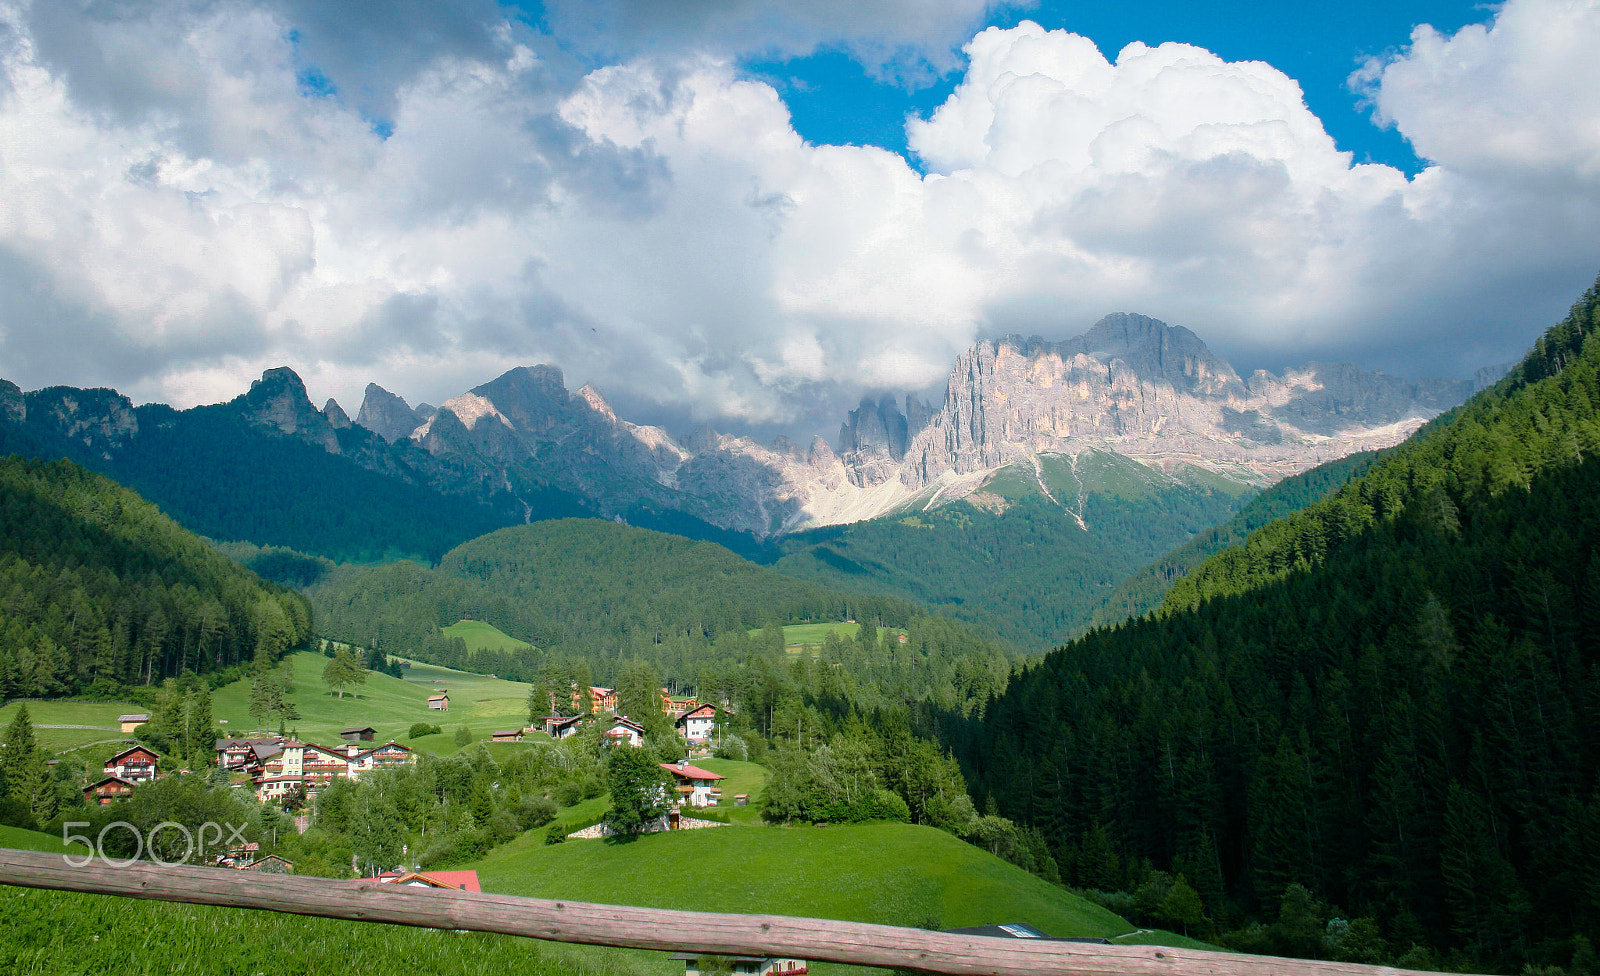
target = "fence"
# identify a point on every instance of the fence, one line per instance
(822, 940)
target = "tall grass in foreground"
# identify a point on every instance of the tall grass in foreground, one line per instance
(54, 932)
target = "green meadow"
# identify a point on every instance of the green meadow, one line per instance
(890, 874)
(479, 635)
(390, 705)
(812, 635)
(99, 717)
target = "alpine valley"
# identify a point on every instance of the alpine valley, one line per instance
(1053, 466)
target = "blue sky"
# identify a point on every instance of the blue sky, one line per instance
(753, 212)
(835, 99)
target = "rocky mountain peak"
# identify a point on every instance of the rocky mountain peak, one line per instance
(596, 402)
(387, 415)
(337, 418)
(13, 409)
(278, 400)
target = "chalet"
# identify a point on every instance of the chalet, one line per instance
(506, 735)
(236, 754)
(358, 735)
(602, 699)
(106, 790)
(391, 753)
(561, 726)
(698, 787)
(624, 731)
(130, 722)
(753, 965)
(136, 765)
(439, 703)
(697, 723)
(459, 880)
(319, 767)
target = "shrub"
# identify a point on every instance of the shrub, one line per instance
(733, 747)
(557, 834)
(463, 736)
(535, 811)
(423, 728)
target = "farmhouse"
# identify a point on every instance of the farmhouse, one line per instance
(602, 699)
(364, 734)
(136, 765)
(561, 726)
(506, 735)
(624, 731)
(130, 722)
(106, 790)
(439, 703)
(698, 787)
(697, 723)
(754, 965)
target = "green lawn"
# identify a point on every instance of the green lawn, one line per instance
(389, 705)
(483, 636)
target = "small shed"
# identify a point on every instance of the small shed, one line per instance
(506, 735)
(439, 703)
(364, 734)
(271, 864)
(130, 722)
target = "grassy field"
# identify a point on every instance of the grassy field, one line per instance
(100, 716)
(796, 636)
(483, 636)
(892, 874)
(389, 705)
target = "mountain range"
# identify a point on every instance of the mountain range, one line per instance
(523, 447)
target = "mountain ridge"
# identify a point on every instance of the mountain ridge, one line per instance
(1130, 384)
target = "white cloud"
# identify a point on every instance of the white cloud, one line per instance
(658, 227)
(1514, 96)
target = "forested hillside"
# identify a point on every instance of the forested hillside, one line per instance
(1143, 591)
(1389, 699)
(222, 477)
(98, 588)
(1012, 561)
(595, 595)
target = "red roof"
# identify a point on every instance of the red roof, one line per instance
(460, 880)
(686, 771)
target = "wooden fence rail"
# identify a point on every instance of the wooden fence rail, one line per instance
(822, 940)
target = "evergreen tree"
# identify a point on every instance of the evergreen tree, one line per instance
(24, 770)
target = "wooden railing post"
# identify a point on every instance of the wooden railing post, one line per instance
(822, 940)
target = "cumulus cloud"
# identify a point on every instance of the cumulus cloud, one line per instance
(1516, 96)
(657, 227)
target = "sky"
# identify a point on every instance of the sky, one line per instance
(752, 212)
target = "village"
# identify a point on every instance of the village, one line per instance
(281, 770)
